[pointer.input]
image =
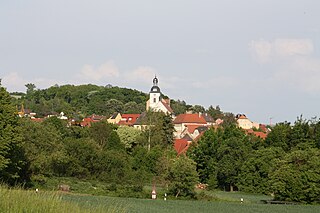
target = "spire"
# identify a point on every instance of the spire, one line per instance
(155, 88)
(155, 81)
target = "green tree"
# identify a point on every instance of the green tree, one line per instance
(30, 88)
(40, 142)
(182, 177)
(254, 174)
(128, 136)
(12, 160)
(296, 177)
(215, 112)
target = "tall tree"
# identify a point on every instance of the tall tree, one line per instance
(12, 160)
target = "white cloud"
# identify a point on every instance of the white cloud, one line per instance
(106, 70)
(293, 62)
(302, 73)
(261, 50)
(142, 74)
(14, 81)
(290, 47)
(265, 51)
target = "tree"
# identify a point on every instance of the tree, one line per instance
(40, 142)
(182, 177)
(13, 167)
(100, 132)
(159, 130)
(296, 177)
(254, 174)
(30, 88)
(215, 112)
(128, 136)
(279, 136)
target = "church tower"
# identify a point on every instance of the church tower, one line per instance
(155, 102)
(155, 94)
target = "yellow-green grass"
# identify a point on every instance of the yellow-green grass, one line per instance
(19, 200)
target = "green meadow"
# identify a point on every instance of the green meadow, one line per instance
(251, 204)
(18, 200)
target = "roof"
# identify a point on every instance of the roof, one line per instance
(208, 118)
(128, 119)
(190, 118)
(202, 129)
(192, 128)
(187, 137)
(141, 118)
(241, 116)
(114, 115)
(261, 135)
(181, 146)
(166, 105)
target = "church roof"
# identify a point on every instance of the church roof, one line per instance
(166, 105)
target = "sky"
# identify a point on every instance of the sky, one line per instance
(259, 58)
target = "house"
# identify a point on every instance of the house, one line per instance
(156, 102)
(92, 119)
(115, 118)
(243, 122)
(128, 119)
(192, 131)
(183, 121)
(210, 121)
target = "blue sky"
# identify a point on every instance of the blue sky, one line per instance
(260, 58)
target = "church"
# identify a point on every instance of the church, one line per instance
(156, 102)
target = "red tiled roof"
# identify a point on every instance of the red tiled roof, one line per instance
(192, 128)
(181, 146)
(128, 119)
(37, 119)
(261, 135)
(189, 118)
(166, 105)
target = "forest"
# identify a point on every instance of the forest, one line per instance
(286, 164)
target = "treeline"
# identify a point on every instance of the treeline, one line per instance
(80, 101)
(285, 165)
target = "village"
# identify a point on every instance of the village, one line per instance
(188, 127)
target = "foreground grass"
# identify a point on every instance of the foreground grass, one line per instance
(18, 200)
(251, 204)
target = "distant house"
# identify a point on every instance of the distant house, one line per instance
(140, 122)
(86, 122)
(259, 134)
(115, 118)
(193, 131)
(243, 122)
(187, 123)
(128, 119)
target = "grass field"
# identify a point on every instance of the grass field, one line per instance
(18, 200)
(232, 204)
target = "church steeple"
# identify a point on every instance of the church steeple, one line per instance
(155, 88)
(155, 81)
